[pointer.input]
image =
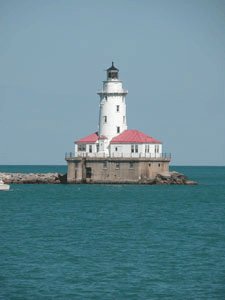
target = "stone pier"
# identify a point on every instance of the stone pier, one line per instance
(33, 178)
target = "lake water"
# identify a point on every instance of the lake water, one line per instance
(113, 241)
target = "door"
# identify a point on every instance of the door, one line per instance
(88, 172)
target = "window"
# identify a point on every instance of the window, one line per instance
(97, 147)
(149, 165)
(106, 98)
(146, 148)
(158, 165)
(81, 147)
(90, 148)
(131, 165)
(134, 147)
(76, 164)
(105, 119)
(116, 149)
(156, 148)
(118, 129)
(105, 165)
(124, 119)
(117, 108)
(112, 74)
(117, 165)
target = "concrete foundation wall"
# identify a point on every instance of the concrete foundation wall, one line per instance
(152, 168)
(114, 170)
(74, 171)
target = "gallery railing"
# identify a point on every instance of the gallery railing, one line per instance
(70, 155)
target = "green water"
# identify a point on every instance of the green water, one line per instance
(113, 241)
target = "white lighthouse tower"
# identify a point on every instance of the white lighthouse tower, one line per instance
(112, 114)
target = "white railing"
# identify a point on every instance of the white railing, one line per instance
(118, 155)
(112, 93)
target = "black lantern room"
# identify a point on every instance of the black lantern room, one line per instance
(112, 72)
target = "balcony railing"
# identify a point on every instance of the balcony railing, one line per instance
(70, 155)
(124, 92)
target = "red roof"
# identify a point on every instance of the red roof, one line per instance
(91, 139)
(133, 136)
(102, 137)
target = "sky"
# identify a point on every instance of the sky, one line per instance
(53, 57)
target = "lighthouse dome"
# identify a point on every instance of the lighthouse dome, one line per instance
(112, 72)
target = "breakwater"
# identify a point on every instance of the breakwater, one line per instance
(165, 178)
(34, 178)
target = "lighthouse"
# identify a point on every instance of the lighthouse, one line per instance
(112, 113)
(115, 153)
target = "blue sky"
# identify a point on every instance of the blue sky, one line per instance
(171, 59)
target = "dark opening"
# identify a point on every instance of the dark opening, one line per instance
(88, 172)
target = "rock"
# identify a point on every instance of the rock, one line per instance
(170, 178)
(31, 178)
(189, 182)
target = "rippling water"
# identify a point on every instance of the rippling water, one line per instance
(113, 241)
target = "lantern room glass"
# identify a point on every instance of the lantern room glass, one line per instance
(112, 75)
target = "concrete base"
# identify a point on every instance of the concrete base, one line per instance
(114, 170)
